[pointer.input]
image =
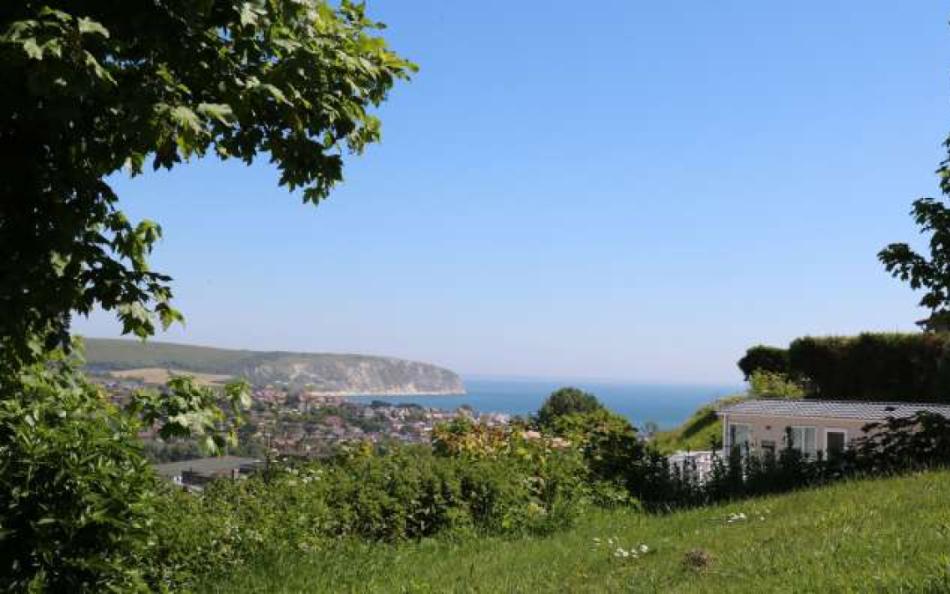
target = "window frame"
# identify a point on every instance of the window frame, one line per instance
(835, 430)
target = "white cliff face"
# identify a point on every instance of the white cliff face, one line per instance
(354, 374)
(327, 373)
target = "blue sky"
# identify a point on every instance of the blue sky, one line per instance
(630, 190)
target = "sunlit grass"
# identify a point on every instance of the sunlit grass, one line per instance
(884, 535)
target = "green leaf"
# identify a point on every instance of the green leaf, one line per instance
(185, 118)
(32, 49)
(219, 111)
(274, 92)
(249, 14)
(101, 72)
(89, 26)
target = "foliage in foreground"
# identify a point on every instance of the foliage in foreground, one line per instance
(78, 501)
(96, 87)
(76, 497)
(93, 88)
(409, 493)
(882, 535)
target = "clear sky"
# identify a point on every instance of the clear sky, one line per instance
(624, 190)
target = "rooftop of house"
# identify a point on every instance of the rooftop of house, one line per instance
(833, 409)
(205, 466)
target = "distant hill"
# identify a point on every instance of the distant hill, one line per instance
(322, 372)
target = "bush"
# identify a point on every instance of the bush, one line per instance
(76, 495)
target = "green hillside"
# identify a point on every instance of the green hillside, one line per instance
(109, 353)
(697, 432)
(326, 372)
(896, 540)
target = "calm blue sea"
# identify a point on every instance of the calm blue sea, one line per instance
(667, 405)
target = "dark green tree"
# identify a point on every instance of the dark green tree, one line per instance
(764, 358)
(931, 274)
(98, 86)
(566, 401)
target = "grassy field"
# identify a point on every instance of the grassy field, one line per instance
(865, 536)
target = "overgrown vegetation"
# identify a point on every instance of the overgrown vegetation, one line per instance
(520, 488)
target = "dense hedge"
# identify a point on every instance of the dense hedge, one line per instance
(870, 366)
(901, 367)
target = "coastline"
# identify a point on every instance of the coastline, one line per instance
(388, 394)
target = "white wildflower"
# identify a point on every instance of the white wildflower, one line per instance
(644, 549)
(739, 517)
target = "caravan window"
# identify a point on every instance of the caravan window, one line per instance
(804, 440)
(739, 435)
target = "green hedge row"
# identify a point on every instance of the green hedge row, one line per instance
(870, 366)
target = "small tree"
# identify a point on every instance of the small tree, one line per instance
(566, 401)
(763, 358)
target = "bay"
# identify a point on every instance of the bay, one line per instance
(668, 405)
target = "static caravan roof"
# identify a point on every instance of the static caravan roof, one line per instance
(205, 466)
(833, 409)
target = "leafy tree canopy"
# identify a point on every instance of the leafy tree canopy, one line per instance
(930, 274)
(96, 86)
(566, 401)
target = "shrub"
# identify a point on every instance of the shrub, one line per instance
(76, 496)
(409, 492)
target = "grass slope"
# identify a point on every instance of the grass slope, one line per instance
(697, 432)
(115, 353)
(888, 535)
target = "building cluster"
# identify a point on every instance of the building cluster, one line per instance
(311, 424)
(287, 421)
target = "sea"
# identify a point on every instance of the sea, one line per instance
(665, 405)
